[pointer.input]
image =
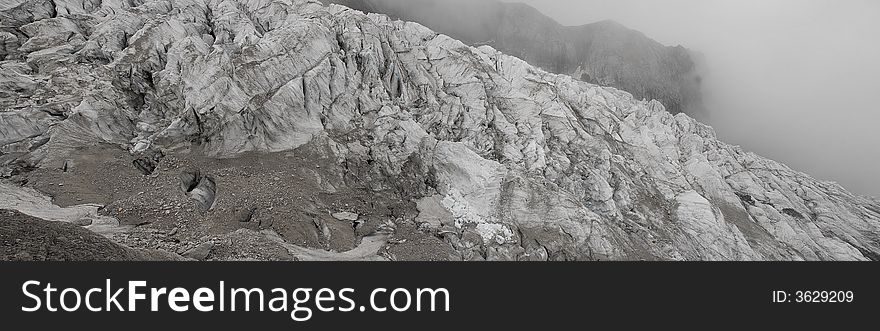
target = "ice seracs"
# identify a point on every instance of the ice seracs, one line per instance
(524, 164)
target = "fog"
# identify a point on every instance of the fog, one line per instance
(793, 80)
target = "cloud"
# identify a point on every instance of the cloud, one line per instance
(793, 80)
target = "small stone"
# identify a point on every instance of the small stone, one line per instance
(67, 166)
(83, 222)
(23, 256)
(346, 216)
(246, 215)
(200, 252)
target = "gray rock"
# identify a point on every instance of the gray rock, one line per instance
(200, 252)
(83, 222)
(346, 216)
(205, 194)
(201, 188)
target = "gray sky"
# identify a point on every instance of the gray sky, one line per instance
(794, 80)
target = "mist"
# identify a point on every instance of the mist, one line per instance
(792, 80)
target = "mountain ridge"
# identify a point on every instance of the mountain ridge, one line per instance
(604, 52)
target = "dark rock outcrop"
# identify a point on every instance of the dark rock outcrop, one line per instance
(26, 238)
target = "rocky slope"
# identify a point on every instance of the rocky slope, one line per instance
(228, 129)
(27, 238)
(605, 53)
